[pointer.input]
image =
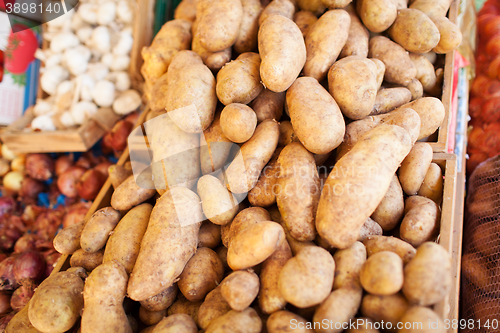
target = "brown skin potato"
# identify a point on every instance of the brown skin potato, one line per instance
(238, 122)
(96, 232)
(340, 307)
(209, 235)
(382, 273)
(255, 245)
(421, 222)
(315, 116)
(390, 210)
(186, 10)
(176, 323)
(352, 81)
(432, 8)
(219, 23)
(363, 325)
(243, 173)
(287, 134)
(416, 89)
(268, 105)
(315, 6)
(369, 228)
(151, 317)
(206, 263)
(348, 265)
(398, 66)
(161, 301)
(63, 289)
(341, 227)
(422, 319)
(307, 279)
(247, 38)
(185, 307)
(103, 294)
(325, 41)
(336, 3)
(246, 218)
(118, 174)
(432, 187)
(219, 205)
(287, 322)
(158, 95)
(359, 36)
(428, 275)
(264, 192)
(387, 308)
(304, 20)
(426, 74)
(213, 307)
(298, 191)
(124, 243)
(431, 112)
(280, 7)
(67, 241)
(377, 15)
(214, 60)
(129, 194)
(414, 167)
(239, 80)
(247, 321)
(173, 225)
(404, 250)
(414, 31)
(214, 147)
(89, 261)
(283, 52)
(20, 323)
(389, 99)
(240, 288)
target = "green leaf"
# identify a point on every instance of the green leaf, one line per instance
(19, 79)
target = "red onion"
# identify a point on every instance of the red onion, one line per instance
(51, 258)
(5, 302)
(90, 184)
(22, 295)
(63, 163)
(39, 166)
(31, 212)
(29, 266)
(26, 243)
(67, 181)
(76, 213)
(7, 278)
(103, 168)
(30, 188)
(9, 234)
(4, 321)
(7, 205)
(83, 162)
(47, 223)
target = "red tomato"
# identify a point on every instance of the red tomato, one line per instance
(494, 68)
(21, 49)
(475, 107)
(489, 8)
(1, 73)
(476, 139)
(491, 110)
(482, 21)
(492, 28)
(493, 46)
(492, 139)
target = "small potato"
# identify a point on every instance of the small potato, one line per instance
(283, 52)
(426, 74)
(239, 289)
(432, 8)
(186, 10)
(219, 23)
(67, 241)
(219, 205)
(96, 232)
(315, 6)
(315, 116)
(129, 194)
(307, 279)
(213, 307)
(247, 321)
(20, 323)
(304, 20)
(298, 191)
(287, 134)
(348, 263)
(243, 173)
(340, 307)
(382, 273)
(247, 37)
(176, 323)
(325, 41)
(428, 275)
(431, 112)
(209, 235)
(151, 317)
(239, 80)
(245, 219)
(255, 245)
(214, 147)
(377, 15)
(283, 322)
(370, 228)
(336, 3)
(416, 89)
(352, 81)
(389, 308)
(278, 7)
(375, 244)
(359, 36)
(118, 174)
(158, 97)
(364, 325)
(186, 307)
(422, 319)
(432, 187)
(268, 105)
(379, 71)
(89, 261)
(206, 263)
(414, 31)
(421, 222)
(398, 66)
(391, 209)
(414, 167)
(214, 60)
(161, 301)
(264, 192)
(222, 253)
(389, 99)
(238, 122)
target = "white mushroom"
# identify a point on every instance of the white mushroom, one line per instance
(104, 93)
(43, 106)
(53, 60)
(108, 59)
(83, 110)
(100, 39)
(51, 78)
(64, 87)
(77, 59)
(76, 21)
(106, 13)
(84, 33)
(67, 119)
(97, 71)
(87, 84)
(124, 12)
(88, 12)
(58, 22)
(63, 41)
(43, 123)
(120, 63)
(120, 79)
(124, 45)
(127, 102)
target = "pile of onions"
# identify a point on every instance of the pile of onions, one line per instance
(22, 296)
(4, 302)
(39, 166)
(9, 234)
(29, 266)
(7, 205)
(7, 278)
(26, 243)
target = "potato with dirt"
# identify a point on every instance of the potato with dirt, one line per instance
(238, 122)
(421, 222)
(348, 264)
(304, 20)
(451, 36)
(214, 147)
(67, 241)
(358, 38)
(277, 7)
(161, 301)
(382, 273)
(212, 307)
(377, 15)
(264, 192)
(432, 187)
(247, 321)
(247, 37)
(214, 60)
(390, 210)
(285, 322)
(414, 167)
(96, 232)
(89, 261)
(240, 288)
(219, 205)
(375, 244)
(130, 194)
(268, 105)
(389, 99)
(390, 308)
(176, 323)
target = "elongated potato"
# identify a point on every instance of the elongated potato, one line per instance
(209, 235)
(421, 222)
(451, 37)
(298, 191)
(278, 7)
(238, 122)
(176, 323)
(130, 194)
(370, 228)
(219, 205)
(428, 275)
(352, 81)
(325, 41)
(414, 167)
(398, 66)
(340, 307)
(264, 192)
(340, 227)
(336, 3)
(375, 244)
(173, 225)
(432, 8)
(186, 10)
(161, 301)
(219, 23)
(348, 264)
(57, 302)
(96, 232)
(103, 294)
(151, 317)
(67, 241)
(414, 31)
(359, 36)
(377, 15)
(214, 147)
(389, 308)
(382, 273)
(307, 279)
(214, 60)
(245, 219)
(390, 99)
(315, 116)
(243, 173)
(287, 322)
(432, 187)
(304, 20)
(426, 74)
(283, 52)
(416, 89)
(247, 321)
(287, 134)
(20, 323)
(87, 260)
(118, 174)
(315, 6)
(268, 105)
(422, 319)
(255, 245)
(123, 245)
(213, 307)
(240, 288)
(239, 80)
(431, 112)
(390, 210)
(247, 37)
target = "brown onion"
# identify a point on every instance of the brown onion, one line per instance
(68, 180)
(4, 321)
(119, 135)
(30, 188)
(103, 168)
(22, 295)
(5, 302)
(132, 118)
(29, 266)
(39, 166)
(47, 223)
(84, 162)
(26, 243)
(7, 278)
(51, 258)
(76, 213)
(90, 184)
(63, 163)
(9, 233)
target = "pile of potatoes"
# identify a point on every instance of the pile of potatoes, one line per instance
(343, 206)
